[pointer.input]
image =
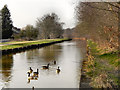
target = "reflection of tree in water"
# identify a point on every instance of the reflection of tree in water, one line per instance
(48, 53)
(7, 63)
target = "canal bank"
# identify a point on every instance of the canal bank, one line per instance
(99, 68)
(8, 48)
(84, 81)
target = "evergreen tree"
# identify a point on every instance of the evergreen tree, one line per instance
(0, 26)
(6, 23)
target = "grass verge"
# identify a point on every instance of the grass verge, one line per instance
(102, 69)
(17, 44)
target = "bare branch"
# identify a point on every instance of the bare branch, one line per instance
(101, 8)
(113, 5)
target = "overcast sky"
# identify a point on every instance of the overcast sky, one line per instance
(25, 12)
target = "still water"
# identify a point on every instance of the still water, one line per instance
(67, 55)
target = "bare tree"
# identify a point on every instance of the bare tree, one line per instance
(49, 26)
(99, 21)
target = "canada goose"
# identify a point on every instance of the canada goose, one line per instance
(28, 80)
(46, 67)
(28, 74)
(54, 62)
(58, 70)
(31, 78)
(30, 70)
(36, 73)
(36, 77)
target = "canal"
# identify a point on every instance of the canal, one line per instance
(13, 73)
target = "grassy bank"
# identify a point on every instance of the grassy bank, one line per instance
(18, 44)
(101, 68)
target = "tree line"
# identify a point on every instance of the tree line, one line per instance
(47, 27)
(99, 21)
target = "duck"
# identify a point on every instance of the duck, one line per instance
(46, 67)
(36, 73)
(30, 70)
(58, 70)
(54, 62)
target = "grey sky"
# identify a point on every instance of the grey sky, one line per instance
(25, 12)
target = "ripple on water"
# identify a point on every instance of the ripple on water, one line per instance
(1, 84)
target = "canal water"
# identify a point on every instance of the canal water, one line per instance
(13, 73)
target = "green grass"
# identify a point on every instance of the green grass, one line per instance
(111, 57)
(93, 47)
(95, 51)
(16, 44)
(10, 42)
(107, 63)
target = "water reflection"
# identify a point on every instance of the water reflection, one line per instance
(6, 63)
(47, 54)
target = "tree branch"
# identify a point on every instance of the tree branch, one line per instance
(100, 8)
(113, 5)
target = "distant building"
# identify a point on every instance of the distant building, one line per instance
(68, 33)
(16, 30)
